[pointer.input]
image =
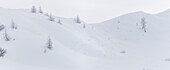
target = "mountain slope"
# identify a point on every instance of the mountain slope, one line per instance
(147, 49)
(119, 43)
(69, 40)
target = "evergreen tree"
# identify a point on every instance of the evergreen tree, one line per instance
(78, 20)
(40, 10)
(2, 52)
(13, 25)
(49, 44)
(143, 22)
(6, 36)
(51, 18)
(33, 9)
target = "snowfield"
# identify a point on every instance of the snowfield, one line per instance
(115, 44)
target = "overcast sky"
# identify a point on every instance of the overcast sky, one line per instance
(91, 11)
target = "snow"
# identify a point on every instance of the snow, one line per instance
(116, 44)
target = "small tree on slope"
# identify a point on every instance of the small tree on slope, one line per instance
(49, 44)
(78, 20)
(51, 18)
(13, 25)
(2, 52)
(143, 22)
(40, 10)
(33, 9)
(6, 36)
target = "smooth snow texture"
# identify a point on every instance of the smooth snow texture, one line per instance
(116, 44)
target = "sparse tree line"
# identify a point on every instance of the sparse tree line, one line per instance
(142, 24)
(14, 26)
(7, 37)
(51, 17)
(49, 45)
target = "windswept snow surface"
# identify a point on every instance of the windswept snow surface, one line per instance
(116, 44)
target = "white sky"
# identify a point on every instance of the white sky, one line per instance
(91, 11)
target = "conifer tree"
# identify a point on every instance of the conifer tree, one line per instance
(78, 20)
(13, 25)
(49, 44)
(2, 52)
(51, 18)
(40, 10)
(143, 22)
(33, 9)
(6, 36)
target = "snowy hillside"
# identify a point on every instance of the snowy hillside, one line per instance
(116, 44)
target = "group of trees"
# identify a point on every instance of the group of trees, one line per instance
(77, 20)
(34, 10)
(49, 45)
(6, 35)
(51, 18)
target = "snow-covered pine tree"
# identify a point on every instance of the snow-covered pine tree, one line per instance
(78, 20)
(49, 44)
(51, 18)
(40, 10)
(2, 52)
(13, 25)
(143, 22)
(33, 9)
(6, 36)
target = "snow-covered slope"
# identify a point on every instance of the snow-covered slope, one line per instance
(119, 43)
(144, 49)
